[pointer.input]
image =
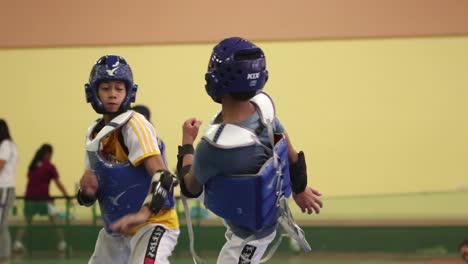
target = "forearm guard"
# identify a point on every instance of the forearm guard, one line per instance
(84, 199)
(298, 174)
(183, 170)
(161, 185)
(181, 152)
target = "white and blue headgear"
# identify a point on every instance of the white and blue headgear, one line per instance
(110, 68)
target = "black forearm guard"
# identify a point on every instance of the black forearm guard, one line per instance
(84, 199)
(161, 185)
(183, 170)
(183, 189)
(298, 174)
(181, 152)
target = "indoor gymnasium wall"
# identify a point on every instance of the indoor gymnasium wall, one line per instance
(373, 116)
(377, 108)
(55, 23)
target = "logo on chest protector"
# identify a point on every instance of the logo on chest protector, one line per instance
(246, 255)
(153, 245)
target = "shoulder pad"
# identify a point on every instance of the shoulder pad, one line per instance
(267, 108)
(115, 123)
(229, 136)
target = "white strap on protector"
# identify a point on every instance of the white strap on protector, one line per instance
(267, 108)
(229, 136)
(196, 259)
(116, 122)
(287, 223)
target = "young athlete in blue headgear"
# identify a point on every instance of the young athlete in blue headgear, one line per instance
(245, 165)
(126, 172)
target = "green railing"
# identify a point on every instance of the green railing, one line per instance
(70, 216)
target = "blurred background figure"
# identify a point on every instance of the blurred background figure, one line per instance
(464, 250)
(41, 172)
(144, 110)
(8, 159)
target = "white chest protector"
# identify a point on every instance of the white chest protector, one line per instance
(122, 187)
(250, 201)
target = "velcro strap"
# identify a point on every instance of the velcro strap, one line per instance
(182, 151)
(185, 149)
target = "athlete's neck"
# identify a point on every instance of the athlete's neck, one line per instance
(236, 111)
(108, 117)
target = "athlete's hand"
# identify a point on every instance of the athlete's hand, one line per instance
(190, 130)
(125, 223)
(88, 183)
(309, 200)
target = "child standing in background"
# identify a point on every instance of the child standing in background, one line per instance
(8, 159)
(41, 172)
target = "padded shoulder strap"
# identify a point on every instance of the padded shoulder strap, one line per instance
(114, 124)
(267, 108)
(229, 136)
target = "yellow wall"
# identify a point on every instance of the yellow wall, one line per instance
(373, 116)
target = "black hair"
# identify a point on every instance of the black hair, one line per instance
(40, 153)
(144, 110)
(4, 132)
(243, 96)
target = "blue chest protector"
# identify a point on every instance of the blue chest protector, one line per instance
(122, 187)
(250, 201)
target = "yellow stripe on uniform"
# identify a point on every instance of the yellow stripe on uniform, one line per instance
(146, 132)
(137, 132)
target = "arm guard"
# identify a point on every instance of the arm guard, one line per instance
(181, 152)
(183, 188)
(84, 199)
(182, 171)
(298, 174)
(161, 185)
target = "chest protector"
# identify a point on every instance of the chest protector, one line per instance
(122, 187)
(250, 200)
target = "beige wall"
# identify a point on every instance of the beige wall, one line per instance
(373, 116)
(374, 112)
(53, 23)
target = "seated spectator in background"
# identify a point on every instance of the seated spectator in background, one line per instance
(38, 201)
(464, 250)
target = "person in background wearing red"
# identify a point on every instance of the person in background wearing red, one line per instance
(38, 201)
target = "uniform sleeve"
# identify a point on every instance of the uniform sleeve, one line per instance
(86, 158)
(140, 138)
(203, 166)
(53, 171)
(4, 151)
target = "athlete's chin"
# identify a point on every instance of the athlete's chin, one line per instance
(112, 109)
